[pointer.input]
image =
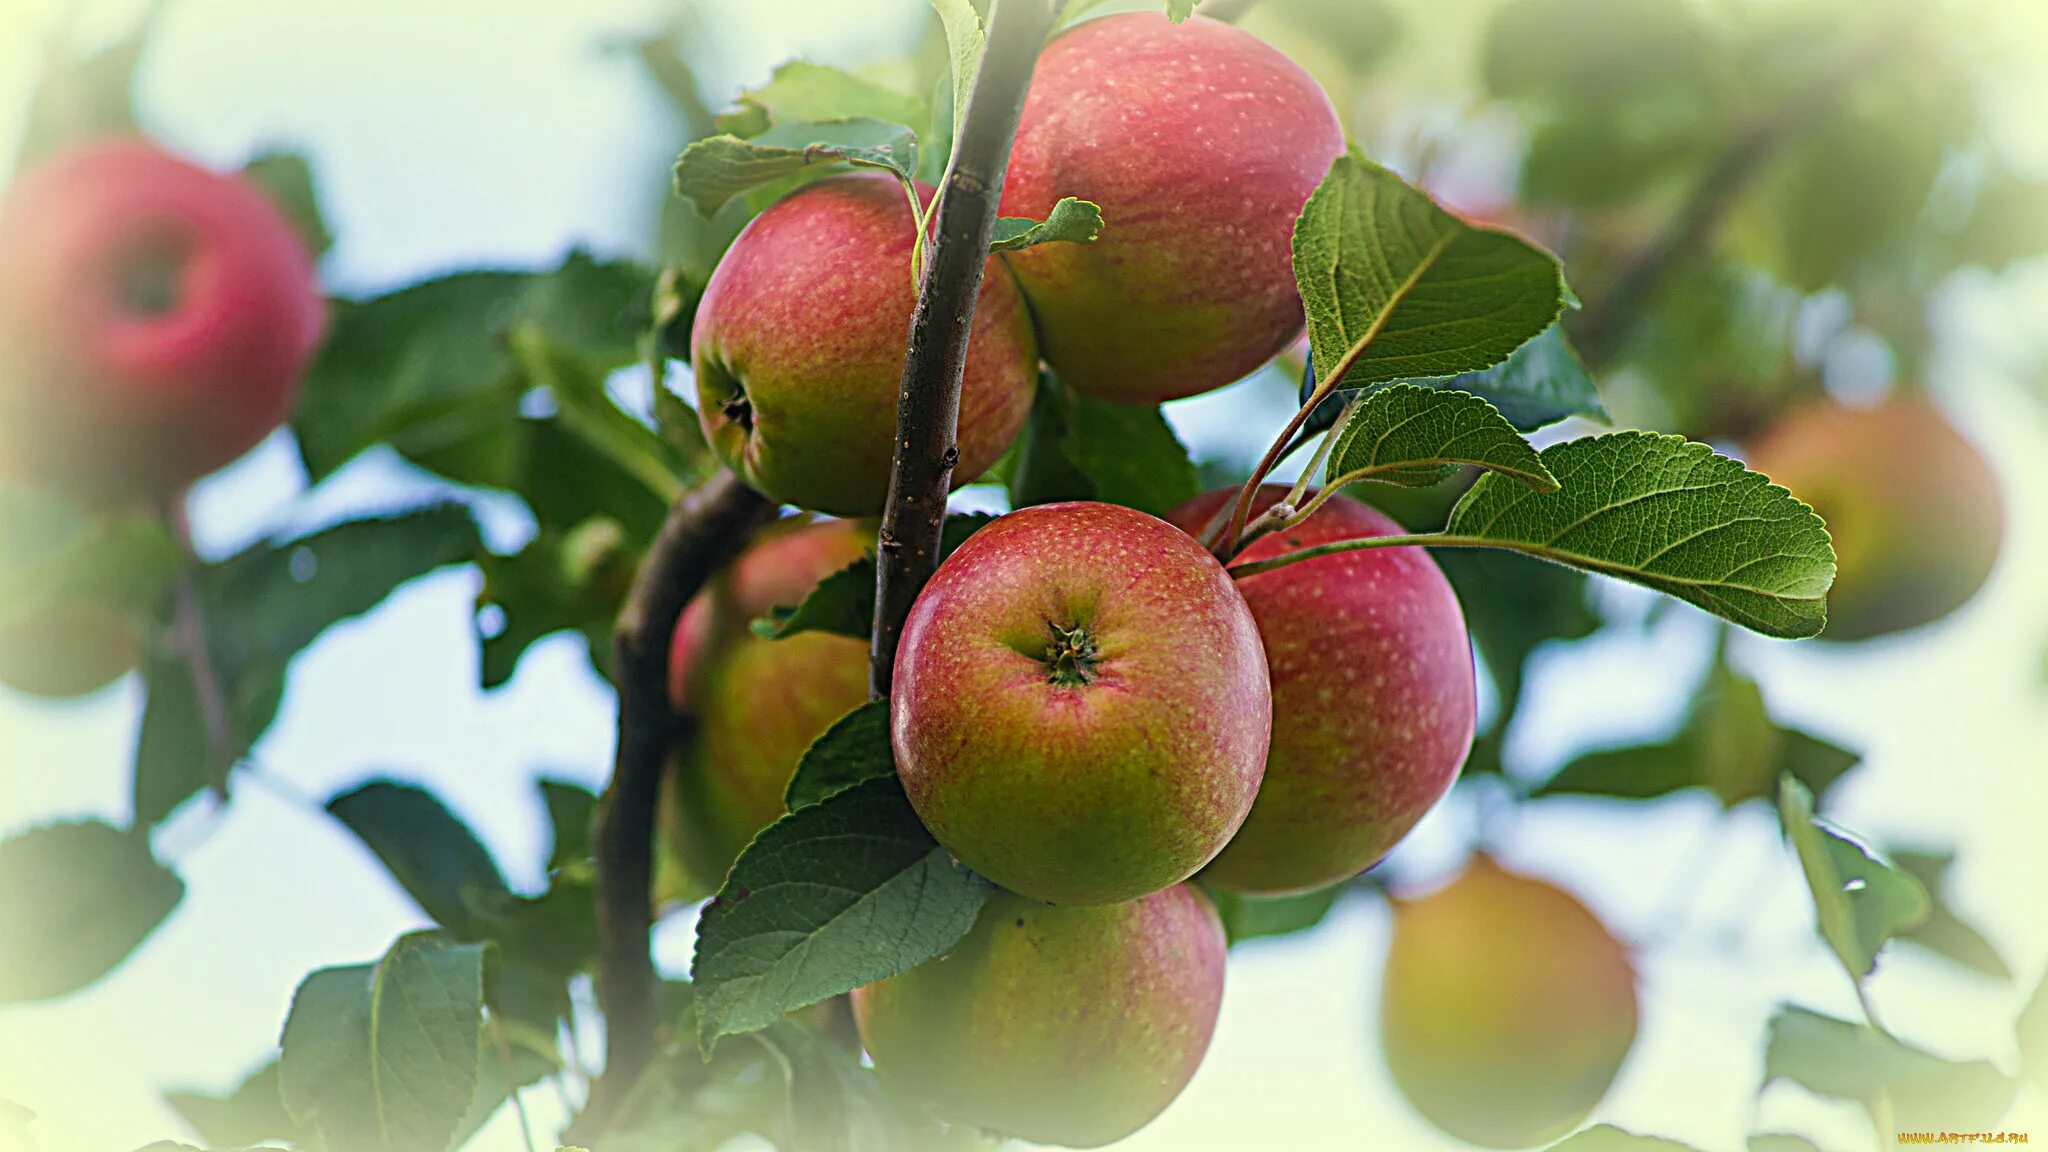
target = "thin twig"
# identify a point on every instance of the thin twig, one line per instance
(189, 629)
(511, 1080)
(703, 532)
(928, 405)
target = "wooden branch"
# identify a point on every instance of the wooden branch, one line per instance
(928, 405)
(704, 531)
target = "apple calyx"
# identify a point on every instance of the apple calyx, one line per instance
(739, 410)
(1070, 656)
(150, 284)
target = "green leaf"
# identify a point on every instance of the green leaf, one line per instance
(962, 26)
(1251, 917)
(1728, 744)
(1672, 515)
(1608, 1138)
(544, 940)
(1397, 288)
(684, 1103)
(1179, 10)
(569, 484)
(1071, 221)
(571, 809)
(1859, 901)
(573, 582)
(844, 603)
(1079, 447)
(853, 751)
(840, 894)
(1542, 383)
(79, 898)
(385, 1055)
(833, 1101)
(430, 852)
(496, 1081)
(251, 1114)
(2031, 1030)
(51, 550)
(428, 370)
(803, 91)
(1513, 604)
(1414, 436)
(713, 171)
(14, 1126)
(585, 408)
(1843, 1061)
(1945, 933)
(287, 179)
(1781, 1142)
(264, 606)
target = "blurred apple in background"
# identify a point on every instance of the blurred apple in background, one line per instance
(1913, 508)
(155, 319)
(1506, 1008)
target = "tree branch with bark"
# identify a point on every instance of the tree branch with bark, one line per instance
(704, 531)
(709, 526)
(928, 405)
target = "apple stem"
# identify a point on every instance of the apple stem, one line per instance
(704, 531)
(928, 404)
(1070, 657)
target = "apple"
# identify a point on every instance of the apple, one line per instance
(1080, 709)
(1506, 1007)
(1200, 143)
(72, 647)
(1374, 697)
(155, 319)
(798, 347)
(757, 703)
(1914, 510)
(1070, 1026)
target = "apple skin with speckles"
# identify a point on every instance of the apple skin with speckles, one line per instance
(1068, 1026)
(155, 320)
(1080, 710)
(1374, 697)
(798, 345)
(758, 703)
(1506, 1008)
(1200, 143)
(1912, 544)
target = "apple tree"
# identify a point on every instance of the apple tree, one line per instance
(972, 797)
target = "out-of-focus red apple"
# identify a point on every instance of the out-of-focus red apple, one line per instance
(1506, 1008)
(1914, 510)
(155, 319)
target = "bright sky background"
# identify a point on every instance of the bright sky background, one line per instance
(459, 133)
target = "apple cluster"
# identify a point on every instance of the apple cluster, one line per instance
(1088, 710)
(155, 321)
